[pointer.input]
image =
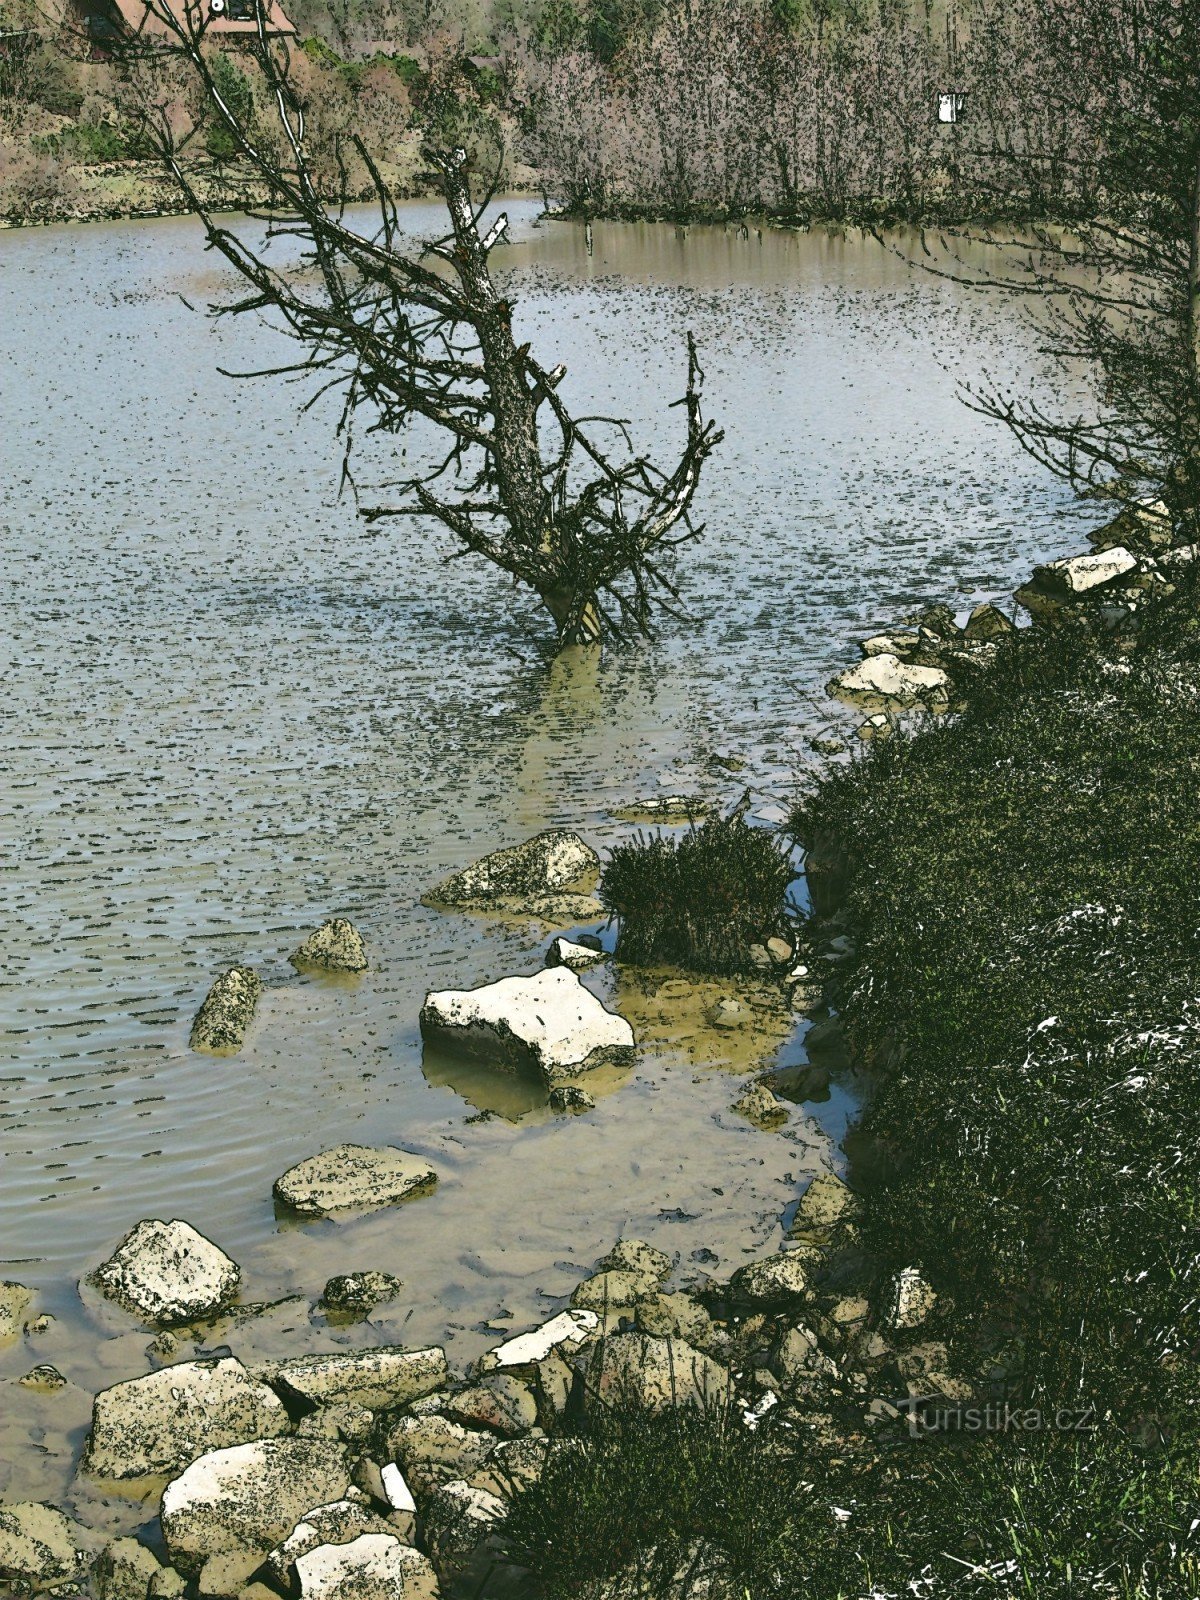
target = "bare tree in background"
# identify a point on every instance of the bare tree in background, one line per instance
(1112, 131)
(427, 337)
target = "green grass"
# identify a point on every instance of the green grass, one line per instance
(699, 900)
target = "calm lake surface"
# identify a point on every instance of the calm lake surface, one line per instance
(232, 711)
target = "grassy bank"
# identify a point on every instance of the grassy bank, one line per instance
(1022, 887)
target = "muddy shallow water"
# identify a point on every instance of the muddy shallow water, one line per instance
(232, 711)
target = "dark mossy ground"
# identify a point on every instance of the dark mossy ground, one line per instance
(1023, 885)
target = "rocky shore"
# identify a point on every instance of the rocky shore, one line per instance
(364, 1473)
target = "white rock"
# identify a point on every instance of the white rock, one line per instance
(372, 1378)
(560, 1336)
(399, 1495)
(548, 1024)
(351, 1177)
(1082, 574)
(246, 1500)
(168, 1272)
(158, 1424)
(886, 678)
(374, 1566)
(578, 957)
(910, 1300)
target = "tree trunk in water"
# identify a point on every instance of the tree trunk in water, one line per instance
(577, 617)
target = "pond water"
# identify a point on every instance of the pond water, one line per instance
(231, 710)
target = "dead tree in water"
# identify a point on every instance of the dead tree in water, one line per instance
(428, 336)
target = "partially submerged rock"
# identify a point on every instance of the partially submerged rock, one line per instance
(43, 1377)
(353, 1177)
(227, 1011)
(759, 1105)
(654, 1374)
(375, 1566)
(988, 623)
(337, 946)
(359, 1291)
(885, 679)
(664, 808)
(374, 1379)
(246, 1500)
(168, 1273)
(577, 956)
(158, 1424)
(541, 865)
(635, 1255)
(549, 1024)
(15, 1301)
(39, 1545)
(570, 1097)
(826, 1202)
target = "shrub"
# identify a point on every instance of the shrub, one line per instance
(235, 89)
(700, 900)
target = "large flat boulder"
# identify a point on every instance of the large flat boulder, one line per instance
(227, 1011)
(886, 680)
(541, 865)
(158, 1424)
(353, 1177)
(375, 1566)
(549, 1025)
(244, 1501)
(374, 1379)
(168, 1273)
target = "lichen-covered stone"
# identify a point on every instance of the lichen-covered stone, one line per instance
(776, 1280)
(760, 1106)
(359, 1291)
(336, 946)
(39, 1545)
(636, 1369)
(374, 1379)
(499, 1401)
(909, 1301)
(433, 1450)
(353, 1177)
(227, 1011)
(541, 865)
(157, 1424)
(374, 1566)
(168, 1273)
(126, 1570)
(635, 1255)
(340, 1522)
(15, 1300)
(570, 1097)
(244, 1501)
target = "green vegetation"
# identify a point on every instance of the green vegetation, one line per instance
(235, 89)
(1023, 885)
(700, 900)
